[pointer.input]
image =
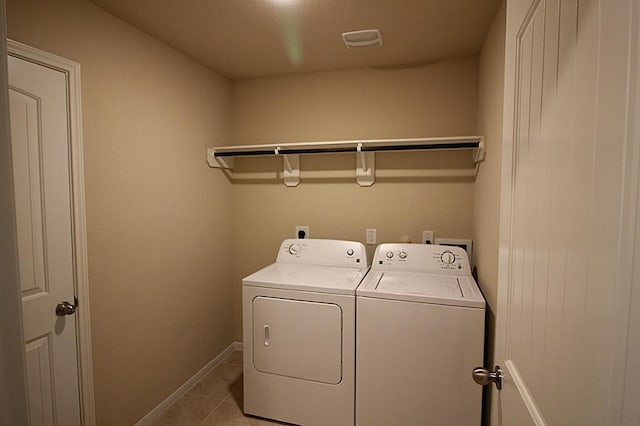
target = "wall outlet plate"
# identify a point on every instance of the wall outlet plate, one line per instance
(371, 236)
(427, 237)
(467, 245)
(302, 232)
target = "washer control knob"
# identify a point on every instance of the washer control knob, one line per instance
(447, 257)
(350, 252)
(294, 249)
(389, 254)
(402, 255)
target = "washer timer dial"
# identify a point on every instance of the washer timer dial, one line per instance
(294, 249)
(447, 257)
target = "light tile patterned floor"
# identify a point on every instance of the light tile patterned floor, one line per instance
(215, 400)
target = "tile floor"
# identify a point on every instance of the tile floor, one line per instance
(215, 400)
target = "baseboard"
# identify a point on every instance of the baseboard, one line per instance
(182, 390)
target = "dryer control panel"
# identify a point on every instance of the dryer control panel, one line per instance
(422, 258)
(323, 253)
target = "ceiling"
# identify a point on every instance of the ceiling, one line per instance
(251, 38)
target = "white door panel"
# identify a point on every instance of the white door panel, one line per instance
(40, 153)
(27, 180)
(564, 195)
(40, 376)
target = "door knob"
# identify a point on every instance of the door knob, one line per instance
(65, 308)
(483, 377)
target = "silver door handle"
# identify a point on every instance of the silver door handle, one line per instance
(483, 377)
(65, 308)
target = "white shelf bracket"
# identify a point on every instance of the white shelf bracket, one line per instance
(218, 162)
(362, 157)
(480, 152)
(365, 166)
(291, 168)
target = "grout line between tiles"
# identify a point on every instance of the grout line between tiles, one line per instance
(225, 361)
(197, 395)
(214, 410)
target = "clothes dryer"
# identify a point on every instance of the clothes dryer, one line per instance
(420, 333)
(299, 333)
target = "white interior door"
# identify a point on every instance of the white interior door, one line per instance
(568, 195)
(40, 150)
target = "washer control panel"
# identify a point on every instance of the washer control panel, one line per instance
(323, 252)
(422, 257)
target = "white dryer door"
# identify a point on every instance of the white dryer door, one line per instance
(298, 339)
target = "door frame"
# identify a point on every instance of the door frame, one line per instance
(626, 386)
(79, 238)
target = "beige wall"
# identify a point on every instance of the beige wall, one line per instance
(486, 203)
(158, 218)
(487, 187)
(431, 100)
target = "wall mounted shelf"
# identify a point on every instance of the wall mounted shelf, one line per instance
(223, 157)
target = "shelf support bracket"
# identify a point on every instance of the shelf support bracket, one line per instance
(480, 152)
(291, 168)
(365, 166)
(362, 157)
(218, 162)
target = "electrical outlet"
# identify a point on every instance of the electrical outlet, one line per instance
(302, 232)
(371, 236)
(427, 237)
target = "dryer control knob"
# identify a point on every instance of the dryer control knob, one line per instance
(294, 249)
(402, 255)
(390, 254)
(350, 252)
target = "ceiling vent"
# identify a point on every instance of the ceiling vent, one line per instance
(362, 38)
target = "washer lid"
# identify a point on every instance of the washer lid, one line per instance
(322, 279)
(438, 289)
(408, 283)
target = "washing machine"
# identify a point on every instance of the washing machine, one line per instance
(299, 333)
(420, 333)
